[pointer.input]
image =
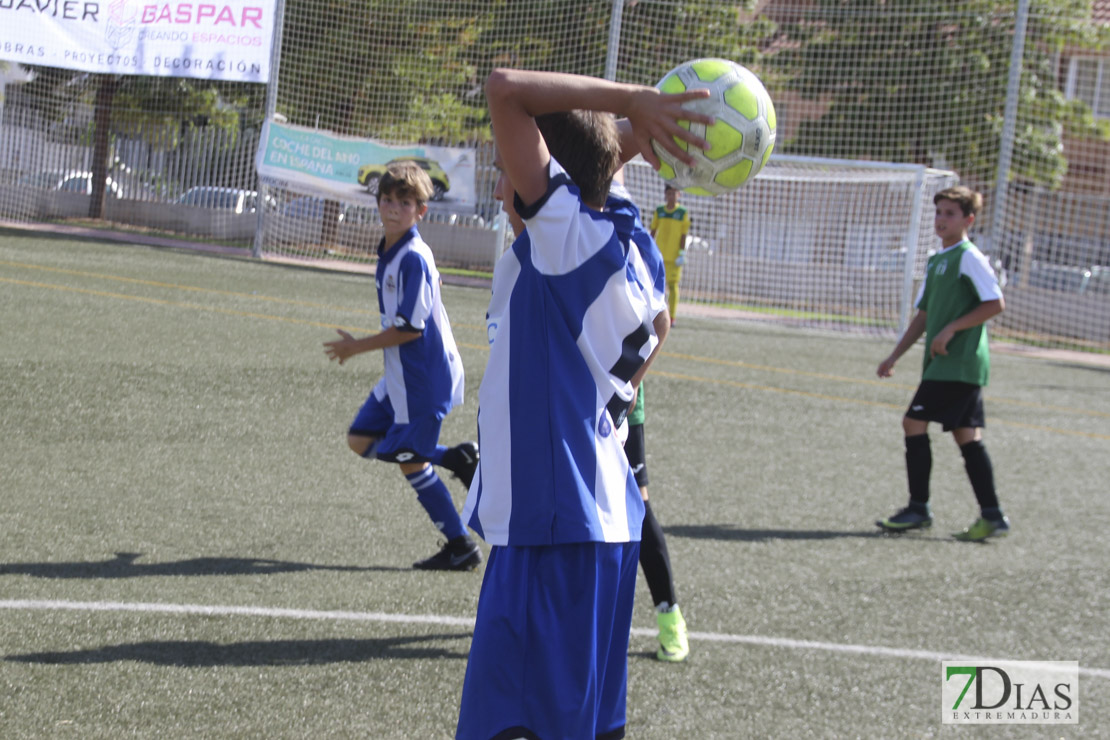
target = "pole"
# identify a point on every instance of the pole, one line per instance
(271, 109)
(614, 40)
(908, 266)
(1009, 124)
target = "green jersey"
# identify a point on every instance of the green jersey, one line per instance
(957, 280)
(636, 415)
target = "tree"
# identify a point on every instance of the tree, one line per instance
(156, 108)
(925, 82)
(656, 37)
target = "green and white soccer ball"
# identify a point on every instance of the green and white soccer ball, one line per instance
(740, 141)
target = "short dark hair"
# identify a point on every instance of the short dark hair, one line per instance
(969, 201)
(406, 179)
(587, 145)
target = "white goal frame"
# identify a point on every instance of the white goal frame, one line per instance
(814, 240)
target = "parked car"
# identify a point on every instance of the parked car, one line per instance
(226, 199)
(369, 174)
(1100, 280)
(311, 208)
(70, 181)
(1048, 276)
(306, 207)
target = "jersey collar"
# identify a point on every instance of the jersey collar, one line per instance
(408, 236)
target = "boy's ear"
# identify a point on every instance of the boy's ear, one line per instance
(422, 210)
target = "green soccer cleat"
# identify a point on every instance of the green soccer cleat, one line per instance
(905, 520)
(674, 645)
(983, 529)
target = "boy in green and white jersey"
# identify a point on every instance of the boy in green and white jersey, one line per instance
(959, 295)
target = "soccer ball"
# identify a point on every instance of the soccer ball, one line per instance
(740, 141)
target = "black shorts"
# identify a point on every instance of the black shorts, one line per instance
(949, 402)
(634, 451)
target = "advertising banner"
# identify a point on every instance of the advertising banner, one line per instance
(347, 168)
(218, 40)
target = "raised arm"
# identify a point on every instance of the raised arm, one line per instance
(516, 97)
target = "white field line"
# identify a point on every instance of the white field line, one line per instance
(254, 611)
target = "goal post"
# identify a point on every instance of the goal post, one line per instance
(813, 241)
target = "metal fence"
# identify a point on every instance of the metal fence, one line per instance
(1000, 94)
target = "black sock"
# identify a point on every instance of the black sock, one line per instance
(655, 561)
(981, 474)
(919, 465)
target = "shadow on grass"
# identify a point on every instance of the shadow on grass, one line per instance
(194, 654)
(123, 565)
(1082, 366)
(737, 534)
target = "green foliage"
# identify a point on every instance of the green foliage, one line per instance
(899, 80)
(911, 81)
(415, 72)
(658, 36)
(157, 107)
(160, 107)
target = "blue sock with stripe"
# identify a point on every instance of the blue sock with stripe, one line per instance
(436, 500)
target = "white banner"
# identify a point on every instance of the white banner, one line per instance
(218, 40)
(348, 167)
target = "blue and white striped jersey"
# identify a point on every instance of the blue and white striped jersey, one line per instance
(655, 274)
(569, 323)
(423, 377)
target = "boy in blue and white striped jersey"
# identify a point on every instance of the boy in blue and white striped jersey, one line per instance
(571, 331)
(400, 422)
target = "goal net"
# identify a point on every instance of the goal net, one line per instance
(261, 132)
(810, 241)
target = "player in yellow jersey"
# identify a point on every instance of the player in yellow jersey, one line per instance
(670, 226)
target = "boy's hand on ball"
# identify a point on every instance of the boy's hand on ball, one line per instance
(655, 116)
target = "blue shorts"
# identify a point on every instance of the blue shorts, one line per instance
(549, 657)
(412, 442)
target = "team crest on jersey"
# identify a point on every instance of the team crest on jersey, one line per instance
(941, 267)
(390, 283)
(604, 427)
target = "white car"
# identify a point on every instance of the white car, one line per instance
(71, 181)
(226, 199)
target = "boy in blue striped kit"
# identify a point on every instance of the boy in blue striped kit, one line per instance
(570, 325)
(400, 421)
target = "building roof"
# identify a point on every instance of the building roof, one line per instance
(1100, 12)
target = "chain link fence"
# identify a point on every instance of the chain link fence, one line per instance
(1013, 101)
